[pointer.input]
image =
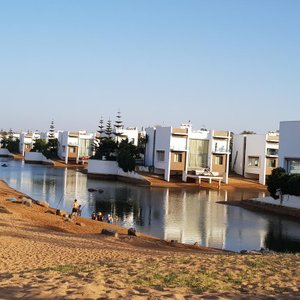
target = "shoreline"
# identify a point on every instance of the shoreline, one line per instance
(42, 256)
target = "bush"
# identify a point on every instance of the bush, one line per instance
(287, 184)
(277, 180)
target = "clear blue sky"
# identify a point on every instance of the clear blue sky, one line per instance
(230, 65)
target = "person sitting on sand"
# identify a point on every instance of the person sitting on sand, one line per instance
(99, 216)
(94, 217)
(75, 208)
(109, 219)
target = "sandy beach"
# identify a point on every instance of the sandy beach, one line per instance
(43, 256)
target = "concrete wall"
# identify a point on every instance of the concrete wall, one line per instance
(256, 146)
(5, 152)
(178, 143)
(105, 167)
(149, 152)
(238, 154)
(289, 142)
(162, 143)
(37, 157)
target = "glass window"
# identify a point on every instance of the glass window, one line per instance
(272, 163)
(293, 166)
(160, 155)
(219, 160)
(198, 154)
(272, 151)
(178, 157)
(253, 161)
(72, 149)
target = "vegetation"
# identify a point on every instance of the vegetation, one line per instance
(47, 148)
(125, 156)
(9, 142)
(248, 132)
(280, 183)
(111, 145)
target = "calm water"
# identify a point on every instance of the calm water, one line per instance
(183, 215)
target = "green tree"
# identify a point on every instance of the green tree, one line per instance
(118, 126)
(277, 183)
(125, 156)
(40, 145)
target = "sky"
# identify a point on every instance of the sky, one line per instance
(225, 65)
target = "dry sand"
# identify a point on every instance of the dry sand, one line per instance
(44, 257)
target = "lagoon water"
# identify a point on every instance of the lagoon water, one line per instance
(185, 215)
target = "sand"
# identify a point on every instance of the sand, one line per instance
(44, 257)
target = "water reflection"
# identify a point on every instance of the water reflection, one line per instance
(183, 215)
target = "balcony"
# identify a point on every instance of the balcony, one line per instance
(221, 150)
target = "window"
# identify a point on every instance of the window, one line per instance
(198, 154)
(178, 157)
(272, 151)
(293, 166)
(253, 161)
(72, 150)
(219, 160)
(160, 155)
(272, 163)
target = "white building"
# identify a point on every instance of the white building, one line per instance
(27, 141)
(255, 155)
(130, 133)
(180, 151)
(289, 146)
(75, 145)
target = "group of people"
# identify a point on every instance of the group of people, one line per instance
(76, 211)
(99, 217)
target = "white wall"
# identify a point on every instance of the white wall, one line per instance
(149, 152)
(37, 157)
(289, 142)
(238, 152)
(5, 152)
(105, 167)
(256, 146)
(178, 143)
(162, 143)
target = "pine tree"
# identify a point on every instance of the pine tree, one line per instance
(101, 130)
(51, 131)
(118, 125)
(108, 130)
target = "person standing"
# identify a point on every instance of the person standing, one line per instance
(75, 207)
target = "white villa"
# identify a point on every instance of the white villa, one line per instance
(289, 146)
(75, 146)
(130, 133)
(27, 141)
(255, 155)
(183, 151)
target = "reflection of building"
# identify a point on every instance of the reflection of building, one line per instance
(75, 145)
(178, 151)
(255, 155)
(289, 146)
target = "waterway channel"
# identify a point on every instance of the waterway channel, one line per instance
(184, 215)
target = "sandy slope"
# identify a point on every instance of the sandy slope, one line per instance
(44, 257)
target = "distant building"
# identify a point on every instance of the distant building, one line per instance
(75, 146)
(130, 133)
(27, 141)
(289, 146)
(255, 155)
(180, 151)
